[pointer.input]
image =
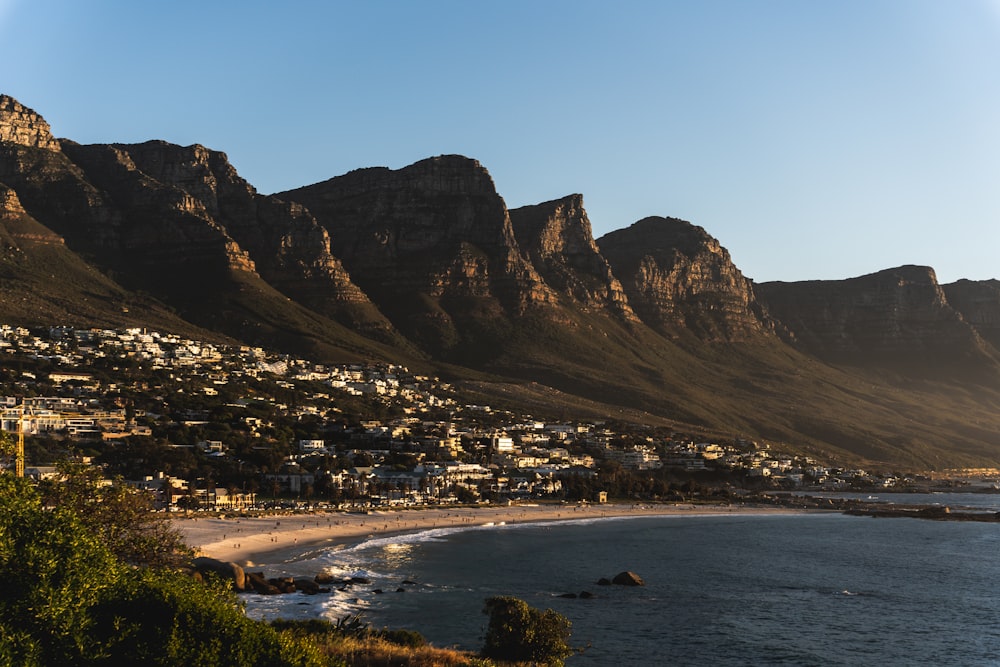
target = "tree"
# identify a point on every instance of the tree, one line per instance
(156, 617)
(53, 570)
(8, 448)
(67, 600)
(518, 632)
(119, 514)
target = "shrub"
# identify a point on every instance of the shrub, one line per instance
(518, 632)
(163, 618)
(69, 601)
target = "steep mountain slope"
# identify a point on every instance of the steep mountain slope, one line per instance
(559, 242)
(156, 239)
(290, 250)
(42, 283)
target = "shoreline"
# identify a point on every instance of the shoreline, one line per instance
(283, 539)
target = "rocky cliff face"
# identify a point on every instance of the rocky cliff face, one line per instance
(161, 233)
(899, 314)
(432, 245)
(21, 125)
(979, 304)
(558, 239)
(289, 249)
(162, 227)
(678, 278)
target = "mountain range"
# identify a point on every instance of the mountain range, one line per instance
(427, 266)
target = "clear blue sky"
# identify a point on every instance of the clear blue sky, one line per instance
(816, 139)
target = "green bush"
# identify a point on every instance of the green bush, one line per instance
(54, 571)
(520, 633)
(69, 601)
(161, 618)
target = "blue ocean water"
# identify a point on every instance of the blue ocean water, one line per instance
(737, 589)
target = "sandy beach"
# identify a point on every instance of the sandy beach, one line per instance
(276, 538)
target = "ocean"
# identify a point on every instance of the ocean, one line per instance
(728, 589)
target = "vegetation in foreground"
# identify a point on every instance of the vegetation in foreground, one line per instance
(92, 579)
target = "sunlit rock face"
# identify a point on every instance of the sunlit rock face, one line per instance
(21, 125)
(679, 279)
(558, 239)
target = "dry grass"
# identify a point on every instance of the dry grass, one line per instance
(374, 652)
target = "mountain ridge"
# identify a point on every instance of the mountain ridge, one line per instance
(426, 265)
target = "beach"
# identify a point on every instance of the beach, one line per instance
(282, 538)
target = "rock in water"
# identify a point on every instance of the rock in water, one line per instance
(628, 579)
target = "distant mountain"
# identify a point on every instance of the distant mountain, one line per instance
(425, 265)
(978, 302)
(898, 318)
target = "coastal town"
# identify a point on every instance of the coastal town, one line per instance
(213, 426)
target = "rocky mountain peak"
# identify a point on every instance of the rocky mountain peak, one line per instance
(431, 243)
(189, 168)
(678, 277)
(558, 239)
(23, 126)
(288, 248)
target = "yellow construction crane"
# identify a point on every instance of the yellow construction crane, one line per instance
(19, 444)
(16, 444)
(19, 453)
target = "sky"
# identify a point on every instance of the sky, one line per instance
(819, 139)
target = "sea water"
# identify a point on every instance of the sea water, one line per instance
(729, 589)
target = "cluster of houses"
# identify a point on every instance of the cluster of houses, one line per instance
(476, 453)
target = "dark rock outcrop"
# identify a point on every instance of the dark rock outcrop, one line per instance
(260, 584)
(308, 586)
(324, 578)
